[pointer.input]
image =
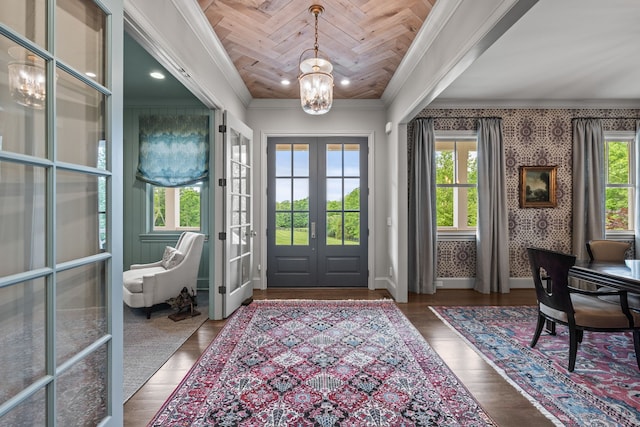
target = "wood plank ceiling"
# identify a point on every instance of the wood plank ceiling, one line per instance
(365, 40)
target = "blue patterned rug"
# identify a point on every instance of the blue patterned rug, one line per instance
(604, 389)
(320, 363)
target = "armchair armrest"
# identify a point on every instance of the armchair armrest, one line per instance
(152, 264)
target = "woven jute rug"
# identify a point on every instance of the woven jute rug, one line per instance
(149, 343)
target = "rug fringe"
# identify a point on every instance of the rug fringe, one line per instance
(502, 373)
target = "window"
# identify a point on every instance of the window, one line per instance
(619, 181)
(456, 182)
(176, 208)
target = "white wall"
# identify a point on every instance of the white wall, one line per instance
(462, 32)
(347, 117)
(176, 33)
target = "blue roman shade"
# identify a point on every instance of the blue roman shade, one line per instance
(173, 150)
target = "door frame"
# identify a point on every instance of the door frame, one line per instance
(260, 282)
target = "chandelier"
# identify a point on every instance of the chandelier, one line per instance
(316, 81)
(27, 80)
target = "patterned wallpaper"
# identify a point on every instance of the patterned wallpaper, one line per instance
(532, 137)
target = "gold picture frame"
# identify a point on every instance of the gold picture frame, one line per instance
(538, 186)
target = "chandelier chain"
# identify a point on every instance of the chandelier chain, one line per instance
(315, 46)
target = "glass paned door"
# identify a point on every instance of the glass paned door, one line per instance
(317, 227)
(61, 232)
(238, 216)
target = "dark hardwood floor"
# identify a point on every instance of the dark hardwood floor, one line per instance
(499, 399)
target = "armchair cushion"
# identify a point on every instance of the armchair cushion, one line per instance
(171, 257)
(132, 279)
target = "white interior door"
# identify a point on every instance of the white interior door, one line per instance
(239, 232)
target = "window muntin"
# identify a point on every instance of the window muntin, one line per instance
(456, 183)
(619, 182)
(177, 209)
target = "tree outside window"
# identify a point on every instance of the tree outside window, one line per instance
(176, 208)
(456, 183)
(619, 182)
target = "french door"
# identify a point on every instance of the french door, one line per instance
(317, 229)
(239, 233)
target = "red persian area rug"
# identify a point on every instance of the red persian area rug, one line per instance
(320, 363)
(604, 389)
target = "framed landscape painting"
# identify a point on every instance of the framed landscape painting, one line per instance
(538, 186)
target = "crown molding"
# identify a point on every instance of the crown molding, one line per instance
(436, 20)
(191, 12)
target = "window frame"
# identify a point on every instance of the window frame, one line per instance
(630, 137)
(454, 232)
(174, 191)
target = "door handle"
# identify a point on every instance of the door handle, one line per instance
(313, 230)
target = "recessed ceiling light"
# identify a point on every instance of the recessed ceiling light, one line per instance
(90, 74)
(157, 75)
(285, 82)
(345, 82)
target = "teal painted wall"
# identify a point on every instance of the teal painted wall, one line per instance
(139, 244)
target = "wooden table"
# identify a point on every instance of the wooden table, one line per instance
(625, 276)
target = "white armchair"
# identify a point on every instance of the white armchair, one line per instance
(145, 285)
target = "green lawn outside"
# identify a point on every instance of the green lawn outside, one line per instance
(301, 238)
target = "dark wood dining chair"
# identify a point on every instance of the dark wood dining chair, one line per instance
(615, 252)
(578, 309)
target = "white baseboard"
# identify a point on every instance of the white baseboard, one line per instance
(468, 282)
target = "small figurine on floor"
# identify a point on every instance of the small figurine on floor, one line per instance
(185, 301)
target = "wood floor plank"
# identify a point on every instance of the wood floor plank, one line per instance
(499, 399)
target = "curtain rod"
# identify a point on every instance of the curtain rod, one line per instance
(605, 118)
(458, 117)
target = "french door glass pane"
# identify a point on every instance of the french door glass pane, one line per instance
(236, 242)
(283, 194)
(77, 215)
(80, 121)
(351, 160)
(301, 228)
(301, 160)
(283, 159)
(80, 37)
(283, 229)
(235, 210)
(81, 392)
(352, 194)
(244, 239)
(31, 412)
(22, 328)
(334, 159)
(244, 179)
(235, 178)
(352, 228)
(334, 228)
(25, 18)
(23, 217)
(23, 127)
(334, 194)
(81, 310)
(301, 194)
(235, 274)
